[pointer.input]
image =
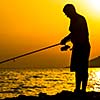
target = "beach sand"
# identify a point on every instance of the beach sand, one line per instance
(64, 95)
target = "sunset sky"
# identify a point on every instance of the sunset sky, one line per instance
(27, 25)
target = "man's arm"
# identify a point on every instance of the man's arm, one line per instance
(66, 39)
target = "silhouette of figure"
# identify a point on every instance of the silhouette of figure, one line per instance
(79, 37)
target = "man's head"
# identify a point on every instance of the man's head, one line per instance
(69, 10)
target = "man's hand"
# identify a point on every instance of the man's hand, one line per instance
(64, 48)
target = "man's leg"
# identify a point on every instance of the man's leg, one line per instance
(78, 81)
(85, 64)
(84, 81)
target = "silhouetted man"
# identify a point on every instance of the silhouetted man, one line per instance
(81, 46)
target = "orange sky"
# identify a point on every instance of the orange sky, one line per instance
(27, 25)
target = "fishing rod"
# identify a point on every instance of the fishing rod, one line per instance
(16, 57)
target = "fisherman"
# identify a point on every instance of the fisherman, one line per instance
(79, 37)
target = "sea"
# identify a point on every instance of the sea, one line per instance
(31, 82)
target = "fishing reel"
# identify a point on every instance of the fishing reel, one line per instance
(65, 48)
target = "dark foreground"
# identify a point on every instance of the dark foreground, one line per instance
(64, 95)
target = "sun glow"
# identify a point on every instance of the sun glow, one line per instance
(95, 5)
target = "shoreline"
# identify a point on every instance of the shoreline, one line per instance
(64, 95)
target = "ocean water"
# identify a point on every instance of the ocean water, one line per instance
(30, 82)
